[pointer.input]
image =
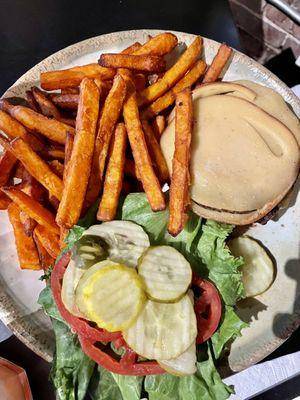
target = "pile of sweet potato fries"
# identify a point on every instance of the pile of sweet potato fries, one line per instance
(66, 146)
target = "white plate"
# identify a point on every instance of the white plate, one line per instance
(274, 315)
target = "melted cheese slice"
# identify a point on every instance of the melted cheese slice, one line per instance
(242, 157)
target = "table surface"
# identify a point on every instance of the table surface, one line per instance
(31, 30)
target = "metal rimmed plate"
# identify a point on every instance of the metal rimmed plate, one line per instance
(273, 315)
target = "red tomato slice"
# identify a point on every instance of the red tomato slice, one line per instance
(78, 325)
(208, 308)
(127, 365)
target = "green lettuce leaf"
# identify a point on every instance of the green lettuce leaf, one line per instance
(220, 266)
(205, 384)
(229, 329)
(47, 302)
(72, 369)
(108, 386)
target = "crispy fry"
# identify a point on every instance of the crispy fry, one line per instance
(103, 86)
(140, 153)
(31, 101)
(37, 167)
(139, 81)
(4, 201)
(214, 70)
(47, 107)
(114, 176)
(155, 152)
(132, 48)
(49, 240)
(173, 75)
(32, 187)
(51, 128)
(180, 180)
(70, 90)
(13, 129)
(168, 98)
(109, 117)
(57, 167)
(28, 223)
(7, 164)
(52, 152)
(159, 124)
(46, 260)
(158, 45)
(27, 252)
(147, 63)
(69, 101)
(68, 152)
(81, 158)
(32, 208)
(72, 77)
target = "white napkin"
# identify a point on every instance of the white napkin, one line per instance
(261, 377)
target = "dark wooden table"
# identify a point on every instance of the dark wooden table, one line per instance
(33, 29)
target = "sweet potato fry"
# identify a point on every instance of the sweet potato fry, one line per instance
(49, 240)
(51, 128)
(109, 117)
(37, 167)
(103, 86)
(159, 124)
(180, 180)
(32, 208)
(173, 75)
(81, 158)
(147, 63)
(47, 107)
(69, 101)
(7, 164)
(32, 187)
(4, 201)
(140, 153)
(57, 167)
(13, 129)
(68, 152)
(53, 201)
(28, 223)
(155, 152)
(214, 70)
(52, 152)
(31, 101)
(70, 90)
(132, 48)
(114, 176)
(26, 249)
(46, 260)
(168, 98)
(72, 77)
(158, 45)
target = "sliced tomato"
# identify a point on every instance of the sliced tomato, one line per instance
(78, 325)
(208, 308)
(126, 365)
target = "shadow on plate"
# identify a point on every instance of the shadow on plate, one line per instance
(290, 321)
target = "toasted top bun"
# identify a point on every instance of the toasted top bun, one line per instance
(244, 159)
